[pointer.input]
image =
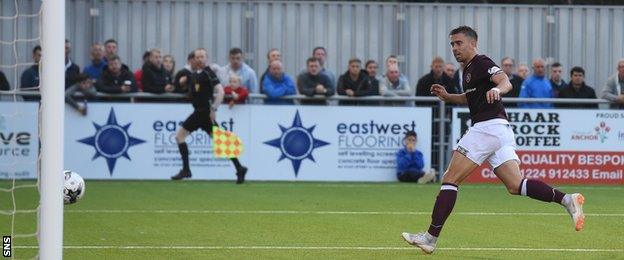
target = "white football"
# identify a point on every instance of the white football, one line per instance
(73, 188)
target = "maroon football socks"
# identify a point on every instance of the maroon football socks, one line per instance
(442, 208)
(539, 190)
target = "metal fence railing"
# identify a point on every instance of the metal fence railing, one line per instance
(441, 112)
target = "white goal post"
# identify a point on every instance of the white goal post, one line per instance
(52, 123)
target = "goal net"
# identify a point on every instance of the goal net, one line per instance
(32, 38)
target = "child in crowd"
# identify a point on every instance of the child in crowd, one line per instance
(85, 86)
(410, 162)
(235, 92)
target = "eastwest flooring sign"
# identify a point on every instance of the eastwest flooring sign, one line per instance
(315, 143)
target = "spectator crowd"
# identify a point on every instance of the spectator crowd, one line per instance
(106, 73)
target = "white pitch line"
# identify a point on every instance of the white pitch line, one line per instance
(294, 184)
(355, 248)
(287, 212)
(383, 185)
(396, 185)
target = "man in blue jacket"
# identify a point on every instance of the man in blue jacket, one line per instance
(537, 86)
(410, 162)
(277, 84)
(98, 64)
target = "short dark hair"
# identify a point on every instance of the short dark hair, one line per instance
(312, 59)
(37, 48)
(410, 133)
(466, 30)
(81, 77)
(352, 60)
(318, 48)
(114, 57)
(271, 50)
(190, 56)
(508, 58)
(235, 51)
(146, 55)
(369, 62)
(111, 40)
(577, 69)
(556, 64)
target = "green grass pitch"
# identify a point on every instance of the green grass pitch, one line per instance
(295, 220)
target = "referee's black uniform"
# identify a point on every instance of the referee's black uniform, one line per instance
(201, 89)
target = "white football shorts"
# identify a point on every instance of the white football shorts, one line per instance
(491, 140)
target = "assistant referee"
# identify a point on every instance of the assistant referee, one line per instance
(203, 86)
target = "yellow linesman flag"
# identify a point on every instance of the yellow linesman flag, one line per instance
(226, 144)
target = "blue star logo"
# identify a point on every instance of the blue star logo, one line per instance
(111, 141)
(296, 143)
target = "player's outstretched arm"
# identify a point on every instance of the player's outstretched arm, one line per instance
(443, 95)
(502, 87)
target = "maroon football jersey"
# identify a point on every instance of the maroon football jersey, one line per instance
(476, 77)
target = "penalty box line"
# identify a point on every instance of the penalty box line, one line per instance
(297, 212)
(353, 248)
